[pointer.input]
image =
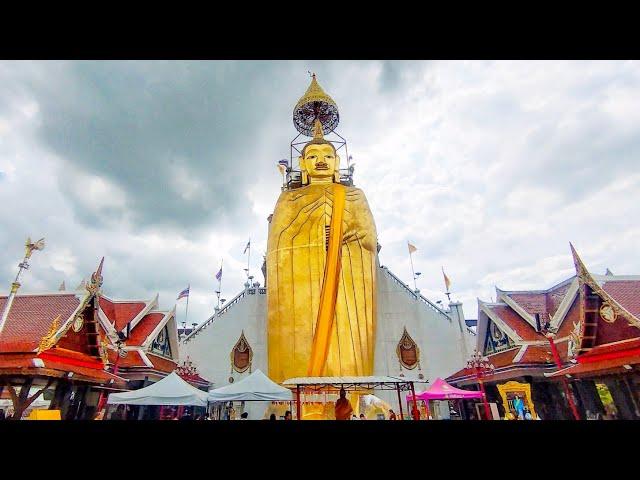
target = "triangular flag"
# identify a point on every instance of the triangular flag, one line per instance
(411, 248)
(62, 287)
(447, 282)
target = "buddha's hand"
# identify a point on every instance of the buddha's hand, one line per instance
(362, 237)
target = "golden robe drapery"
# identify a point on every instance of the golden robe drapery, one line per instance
(296, 256)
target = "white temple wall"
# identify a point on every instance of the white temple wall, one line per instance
(437, 337)
(210, 349)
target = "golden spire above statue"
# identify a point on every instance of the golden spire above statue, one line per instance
(314, 105)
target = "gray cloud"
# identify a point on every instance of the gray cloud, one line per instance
(489, 168)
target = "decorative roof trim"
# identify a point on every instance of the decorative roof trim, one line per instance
(106, 324)
(585, 278)
(566, 304)
(498, 321)
(154, 333)
(615, 278)
(548, 290)
(66, 325)
(526, 316)
(149, 304)
(520, 354)
(145, 359)
(57, 293)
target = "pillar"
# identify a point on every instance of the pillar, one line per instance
(457, 314)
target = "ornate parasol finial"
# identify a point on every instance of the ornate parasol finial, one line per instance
(314, 105)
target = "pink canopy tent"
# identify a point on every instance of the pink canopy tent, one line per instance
(441, 390)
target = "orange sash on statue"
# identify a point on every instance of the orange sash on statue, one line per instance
(327, 309)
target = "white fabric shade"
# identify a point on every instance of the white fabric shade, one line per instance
(256, 386)
(171, 390)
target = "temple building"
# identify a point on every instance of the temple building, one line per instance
(328, 308)
(71, 348)
(576, 342)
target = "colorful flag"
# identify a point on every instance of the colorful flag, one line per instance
(219, 275)
(411, 248)
(247, 247)
(447, 282)
(282, 169)
(183, 293)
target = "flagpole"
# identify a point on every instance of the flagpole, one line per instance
(186, 310)
(220, 284)
(249, 262)
(415, 285)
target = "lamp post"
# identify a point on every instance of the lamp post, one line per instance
(24, 265)
(550, 332)
(481, 367)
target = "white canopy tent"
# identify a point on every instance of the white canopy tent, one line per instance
(171, 390)
(255, 387)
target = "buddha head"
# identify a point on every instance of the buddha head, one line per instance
(319, 162)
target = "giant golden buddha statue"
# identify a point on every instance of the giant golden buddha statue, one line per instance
(321, 263)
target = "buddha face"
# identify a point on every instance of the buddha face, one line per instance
(320, 163)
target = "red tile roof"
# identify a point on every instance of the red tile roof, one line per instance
(132, 359)
(532, 303)
(196, 380)
(538, 354)
(71, 355)
(626, 293)
(23, 364)
(162, 364)
(144, 328)
(31, 317)
(605, 366)
(516, 322)
(120, 313)
(545, 303)
(612, 347)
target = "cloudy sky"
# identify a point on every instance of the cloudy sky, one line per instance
(165, 168)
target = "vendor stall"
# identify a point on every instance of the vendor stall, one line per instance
(171, 390)
(255, 388)
(441, 390)
(363, 385)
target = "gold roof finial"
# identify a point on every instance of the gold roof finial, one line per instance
(314, 105)
(315, 93)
